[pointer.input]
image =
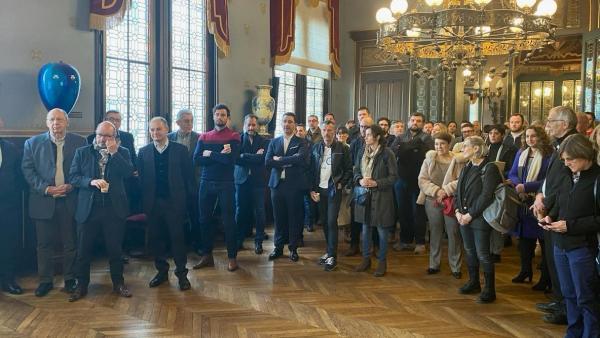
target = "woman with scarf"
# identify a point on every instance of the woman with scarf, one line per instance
(375, 171)
(527, 174)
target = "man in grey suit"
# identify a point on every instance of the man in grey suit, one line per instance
(185, 135)
(46, 161)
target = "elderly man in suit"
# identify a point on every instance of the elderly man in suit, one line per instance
(11, 182)
(288, 159)
(165, 174)
(46, 161)
(98, 171)
(124, 139)
(249, 175)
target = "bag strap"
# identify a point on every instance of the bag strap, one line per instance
(596, 206)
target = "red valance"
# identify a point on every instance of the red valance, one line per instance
(106, 14)
(218, 23)
(283, 20)
(334, 37)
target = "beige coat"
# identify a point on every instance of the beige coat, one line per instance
(451, 178)
(428, 188)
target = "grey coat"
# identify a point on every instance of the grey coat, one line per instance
(381, 211)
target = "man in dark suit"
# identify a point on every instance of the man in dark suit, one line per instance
(249, 178)
(46, 161)
(165, 173)
(11, 182)
(330, 171)
(288, 159)
(217, 151)
(189, 138)
(98, 172)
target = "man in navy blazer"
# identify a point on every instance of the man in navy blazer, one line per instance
(249, 176)
(12, 185)
(98, 172)
(288, 159)
(51, 196)
(165, 173)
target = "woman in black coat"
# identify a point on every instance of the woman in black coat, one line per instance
(475, 192)
(375, 169)
(575, 236)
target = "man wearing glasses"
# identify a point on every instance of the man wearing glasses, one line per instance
(467, 129)
(46, 161)
(99, 171)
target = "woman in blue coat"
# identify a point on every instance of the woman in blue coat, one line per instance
(527, 174)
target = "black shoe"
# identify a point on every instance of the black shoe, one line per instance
(495, 258)
(122, 290)
(12, 287)
(79, 292)
(457, 275)
(258, 249)
(558, 318)
(125, 259)
(184, 283)
(523, 276)
(542, 285)
(470, 287)
(330, 264)
(549, 307)
(294, 255)
(43, 289)
(70, 286)
(160, 278)
(432, 271)
(275, 254)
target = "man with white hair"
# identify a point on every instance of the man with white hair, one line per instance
(46, 161)
(185, 135)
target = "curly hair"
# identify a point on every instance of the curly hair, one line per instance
(543, 140)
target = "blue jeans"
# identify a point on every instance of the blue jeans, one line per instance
(383, 241)
(207, 196)
(250, 205)
(579, 285)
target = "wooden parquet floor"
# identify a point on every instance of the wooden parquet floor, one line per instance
(282, 299)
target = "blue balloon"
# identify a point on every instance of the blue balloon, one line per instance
(59, 85)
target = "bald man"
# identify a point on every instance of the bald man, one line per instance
(46, 161)
(99, 171)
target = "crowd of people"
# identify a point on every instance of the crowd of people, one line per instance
(387, 182)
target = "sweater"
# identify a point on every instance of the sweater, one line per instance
(218, 166)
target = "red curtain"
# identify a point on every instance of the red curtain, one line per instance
(283, 19)
(334, 37)
(218, 23)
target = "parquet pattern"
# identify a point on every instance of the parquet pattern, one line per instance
(282, 299)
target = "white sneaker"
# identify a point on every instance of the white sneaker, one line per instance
(322, 259)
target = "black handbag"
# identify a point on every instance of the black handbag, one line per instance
(362, 195)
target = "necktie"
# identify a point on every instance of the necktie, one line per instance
(59, 177)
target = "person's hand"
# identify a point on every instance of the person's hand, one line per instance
(260, 151)
(98, 183)
(372, 183)
(467, 218)
(135, 173)
(56, 191)
(459, 218)
(226, 150)
(558, 226)
(440, 195)
(276, 158)
(112, 146)
(314, 196)
(544, 222)
(364, 182)
(68, 188)
(520, 188)
(206, 153)
(538, 206)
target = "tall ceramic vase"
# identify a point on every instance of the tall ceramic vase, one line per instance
(263, 106)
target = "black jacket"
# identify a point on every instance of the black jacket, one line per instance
(475, 191)
(180, 177)
(295, 162)
(11, 178)
(556, 174)
(341, 164)
(126, 142)
(576, 206)
(507, 155)
(515, 142)
(250, 165)
(84, 169)
(410, 153)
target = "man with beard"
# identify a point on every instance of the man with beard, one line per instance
(313, 133)
(250, 184)
(99, 171)
(560, 124)
(410, 150)
(385, 123)
(287, 157)
(516, 137)
(216, 152)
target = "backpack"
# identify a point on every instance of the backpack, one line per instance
(502, 214)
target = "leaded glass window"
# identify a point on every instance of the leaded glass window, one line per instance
(127, 67)
(188, 55)
(286, 98)
(314, 97)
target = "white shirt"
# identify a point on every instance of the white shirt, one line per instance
(325, 168)
(0, 157)
(286, 143)
(160, 148)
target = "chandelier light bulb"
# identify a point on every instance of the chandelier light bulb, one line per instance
(525, 3)
(433, 3)
(415, 32)
(384, 15)
(467, 72)
(488, 78)
(482, 2)
(546, 8)
(399, 7)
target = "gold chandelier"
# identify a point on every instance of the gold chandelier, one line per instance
(464, 32)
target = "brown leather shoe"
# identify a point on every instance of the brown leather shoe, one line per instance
(232, 265)
(205, 261)
(364, 265)
(122, 291)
